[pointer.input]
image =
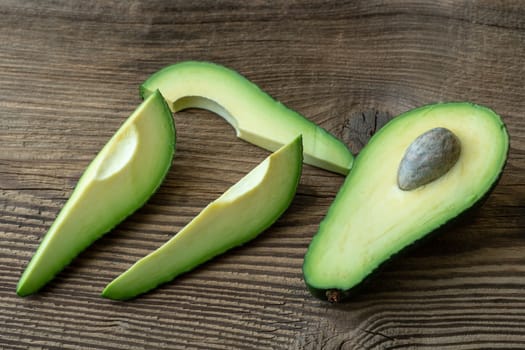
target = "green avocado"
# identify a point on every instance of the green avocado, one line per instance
(111, 188)
(456, 152)
(255, 116)
(240, 214)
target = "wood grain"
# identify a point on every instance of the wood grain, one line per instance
(69, 73)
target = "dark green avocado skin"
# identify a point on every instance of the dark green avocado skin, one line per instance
(338, 296)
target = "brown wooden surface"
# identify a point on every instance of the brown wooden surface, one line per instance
(69, 75)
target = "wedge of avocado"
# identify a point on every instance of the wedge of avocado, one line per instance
(111, 188)
(373, 218)
(255, 116)
(240, 214)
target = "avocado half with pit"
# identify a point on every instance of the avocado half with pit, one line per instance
(240, 214)
(112, 187)
(422, 169)
(255, 115)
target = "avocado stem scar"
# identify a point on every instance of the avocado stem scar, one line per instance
(333, 296)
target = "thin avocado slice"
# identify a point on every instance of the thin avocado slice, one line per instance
(119, 180)
(372, 218)
(240, 214)
(255, 116)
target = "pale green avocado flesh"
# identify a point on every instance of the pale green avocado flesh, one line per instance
(244, 211)
(372, 219)
(111, 188)
(256, 117)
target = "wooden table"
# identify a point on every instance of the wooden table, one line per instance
(69, 76)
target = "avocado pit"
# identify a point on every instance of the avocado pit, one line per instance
(429, 156)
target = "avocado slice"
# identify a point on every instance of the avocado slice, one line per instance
(240, 214)
(111, 188)
(255, 116)
(372, 218)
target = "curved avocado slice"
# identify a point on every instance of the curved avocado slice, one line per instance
(240, 214)
(255, 116)
(372, 219)
(111, 188)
